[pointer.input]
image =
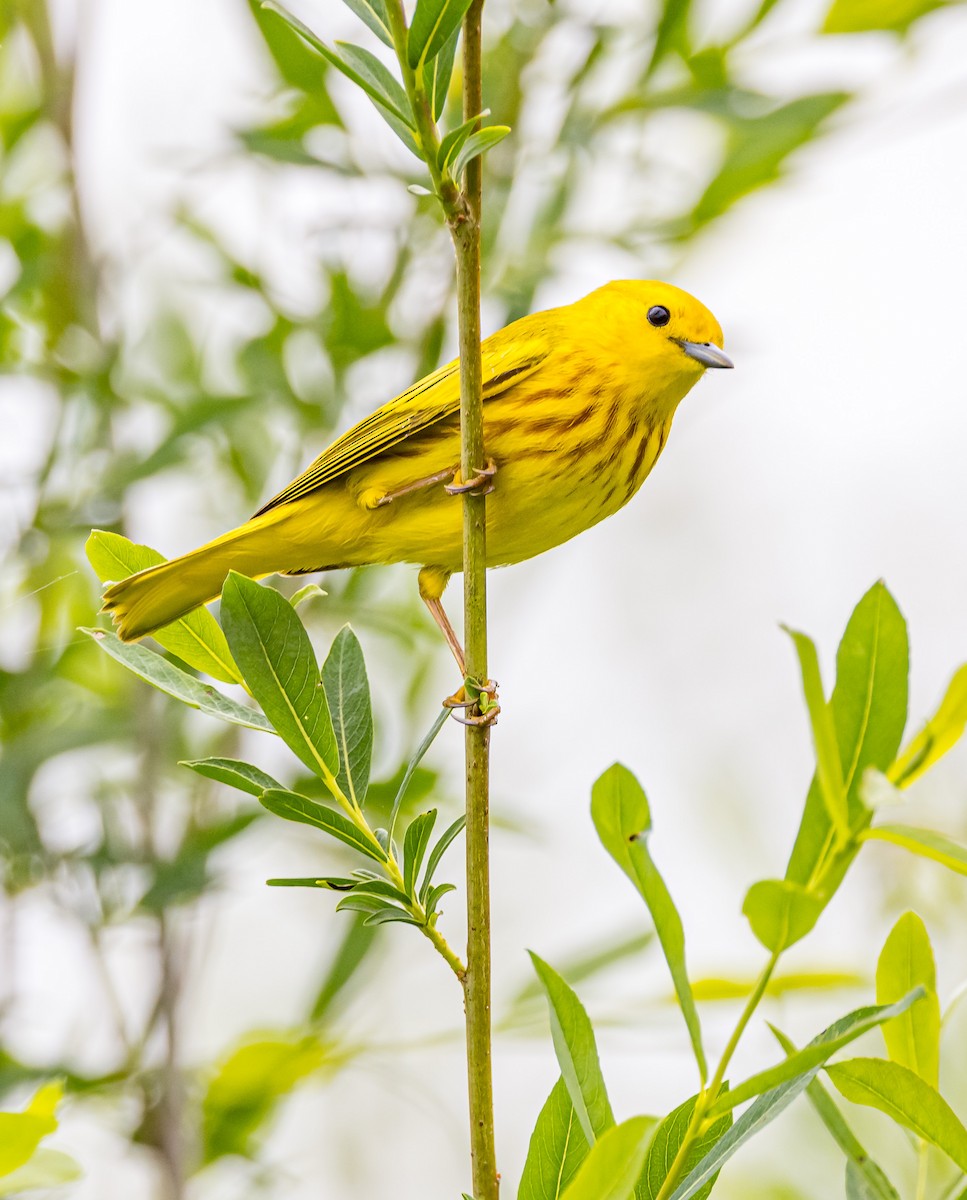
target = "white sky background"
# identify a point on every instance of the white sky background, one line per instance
(833, 455)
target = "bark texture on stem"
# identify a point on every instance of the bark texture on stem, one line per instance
(465, 228)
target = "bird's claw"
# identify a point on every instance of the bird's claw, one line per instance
(474, 694)
(480, 485)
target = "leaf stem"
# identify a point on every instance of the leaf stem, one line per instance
(746, 1016)
(699, 1122)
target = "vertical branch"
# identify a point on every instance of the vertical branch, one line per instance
(466, 238)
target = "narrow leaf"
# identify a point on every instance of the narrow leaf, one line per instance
(376, 80)
(760, 1113)
(438, 852)
(906, 961)
(196, 637)
(557, 1148)
(666, 1144)
(869, 706)
(865, 16)
(330, 883)
(171, 680)
(241, 775)
(622, 818)
(577, 1053)
(347, 694)
(941, 733)
(415, 842)
(923, 842)
(440, 720)
(373, 12)
(816, 1053)
(828, 767)
(271, 646)
(861, 1171)
(476, 144)
(434, 23)
(452, 142)
(437, 74)
(293, 807)
(781, 912)
(905, 1097)
(614, 1162)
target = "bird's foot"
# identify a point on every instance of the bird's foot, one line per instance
(474, 694)
(482, 484)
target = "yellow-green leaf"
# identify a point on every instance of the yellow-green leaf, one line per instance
(21, 1133)
(940, 734)
(905, 1097)
(912, 1039)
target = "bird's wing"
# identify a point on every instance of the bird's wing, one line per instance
(506, 361)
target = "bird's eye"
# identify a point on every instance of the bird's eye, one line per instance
(658, 315)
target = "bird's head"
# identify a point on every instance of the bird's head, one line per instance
(663, 332)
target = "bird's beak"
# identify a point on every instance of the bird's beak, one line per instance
(705, 353)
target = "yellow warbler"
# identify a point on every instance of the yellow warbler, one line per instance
(578, 403)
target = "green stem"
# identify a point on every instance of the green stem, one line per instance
(698, 1123)
(462, 210)
(465, 231)
(751, 1005)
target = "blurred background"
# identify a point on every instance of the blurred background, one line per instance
(210, 264)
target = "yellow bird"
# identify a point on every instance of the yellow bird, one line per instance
(578, 403)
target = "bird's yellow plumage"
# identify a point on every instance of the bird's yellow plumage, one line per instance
(578, 402)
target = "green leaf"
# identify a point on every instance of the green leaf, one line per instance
(168, 678)
(376, 80)
(757, 149)
(904, 1096)
(863, 1175)
(186, 876)
(924, 842)
(622, 818)
(913, 1039)
(434, 23)
(863, 16)
(865, 1181)
(614, 1163)
(271, 646)
(373, 12)
(828, 768)
(816, 1053)
(435, 895)
(556, 1150)
(577, 1053)
(21, 1133)
(241, 775)
(195, 638)
(415, 844)
(763, 1110)
(247, 1086)
(869, 706)
(438, 723)
(781, 912)
(715, 988)
(437, 74)
(45, 1169)
(446, 838)
(940, 734)
(349, 956)
(452, 142)
(668, 1141)
(293, 807)
(347, 693)
(331, 883)
(309, 592)
(478, 143)
(388, 915)
(362, 67)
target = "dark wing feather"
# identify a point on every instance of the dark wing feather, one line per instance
(505, 362)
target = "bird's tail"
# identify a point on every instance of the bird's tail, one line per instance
(144, 602)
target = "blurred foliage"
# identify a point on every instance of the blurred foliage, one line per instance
(120, 403)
